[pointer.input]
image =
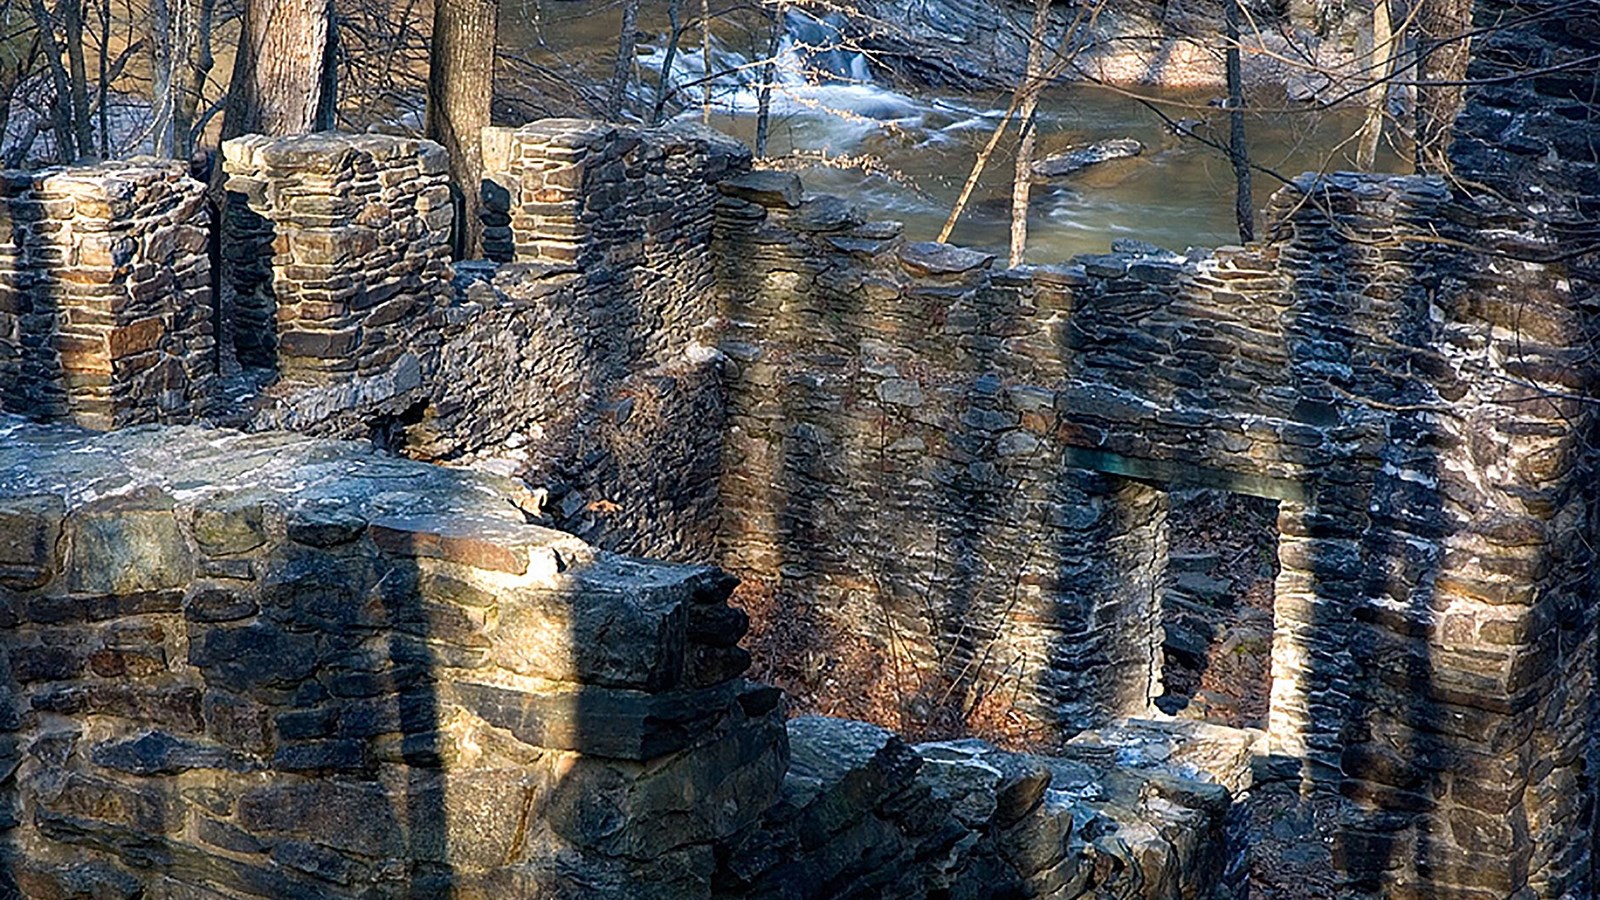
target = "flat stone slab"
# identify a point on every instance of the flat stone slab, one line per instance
(766, 188)
(933, 258)
(1076, 159)
(148, 518)
(328, 492)
(618, 724)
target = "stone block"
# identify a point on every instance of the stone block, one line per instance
(161, 753)
(30, 528)
(609, 722)
(127, 545)
(928, 258)
(765, 188)
(229, 528)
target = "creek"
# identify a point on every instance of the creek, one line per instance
(904, 154)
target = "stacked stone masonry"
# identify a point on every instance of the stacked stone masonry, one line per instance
(105, 295)
(960, 466)
(321, 671)
(585, 351)
(292, 678)
(358, 232)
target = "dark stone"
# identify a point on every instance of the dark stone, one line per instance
(314, 860)
(321, 756)
(319, 592)
(350, 816)
(603, 721)
(160, 753)
(229, 528)
(765, 187)
(56, 610)
(841, 770)
(253, 656)
(169, 706)
(128, 545)
(303, 724)
(237, 722)
(929, 258)
(823, 214)
(717, 626)
(228, 837)
(37, 663)
(323, 527)
(86, 879)
(29, 530)
(217, 604)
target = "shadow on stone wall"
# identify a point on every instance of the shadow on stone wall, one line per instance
(1370, 537)
(32, 379)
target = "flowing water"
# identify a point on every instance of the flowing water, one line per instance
(905, 156)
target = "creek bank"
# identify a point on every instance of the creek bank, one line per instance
(982, 44)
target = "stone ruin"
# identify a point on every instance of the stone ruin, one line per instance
(433, 597)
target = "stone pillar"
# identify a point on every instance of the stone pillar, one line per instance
(105, 295)
(628, 209)
(359, 230)
(571, 191)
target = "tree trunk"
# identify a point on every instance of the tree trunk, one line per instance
(82, 123)
(281, 86)
(705, 61)
(1238, 151)
(627, 38)
(1379, 64)
(1443, 48)
(1028, 95)
(163, 72)
(280, 80)
(188, 100)
(460, 97)
(769, 77)
(675, 17)
(105, 79)
(61, 124)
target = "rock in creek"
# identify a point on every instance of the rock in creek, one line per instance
(1082, 157)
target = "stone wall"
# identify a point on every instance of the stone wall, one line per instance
(893, 472)
(1398, 365)
(955, 467)
(289, 676)
(580, 363)
(357, 229)
(273, 666)
(105, 295)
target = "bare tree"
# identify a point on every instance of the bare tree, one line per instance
(169, 33)
(82, 122)
(1244, 210)
(769, 77)
(1377, 58)
(62, 112)
(1033, 82)
(627, 40)
(1442, 67)
(674, 37)
(460, 96)
(705, 60)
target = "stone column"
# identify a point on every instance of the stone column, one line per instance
(359, 231)
(105, 295)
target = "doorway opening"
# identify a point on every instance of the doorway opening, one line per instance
(1216, 607)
